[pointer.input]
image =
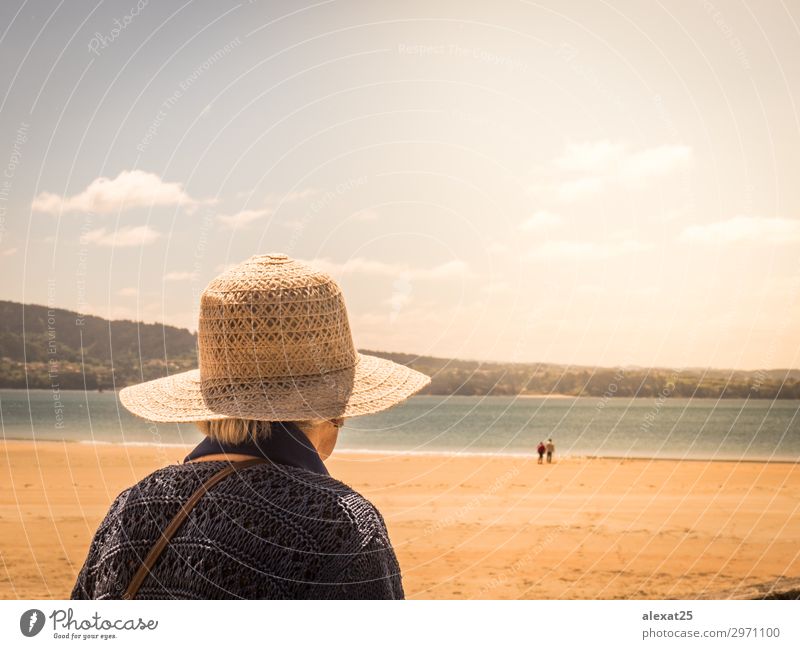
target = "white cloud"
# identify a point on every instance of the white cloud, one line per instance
(398, 300)
(496, 287)
(668, 214)
(272, 201)
(240, 219)
(353, 266)
(586, 168)
(178, 275)
(745, 228)
(131, 291)
(593, 157)
(359, 265)
(273, 198)
(655, 162)
(130, 189)
(295, 196)
(124, 237)
(497, 248)
(541, 220)
(365, 215)
(570, 190)
(586, 250)
(455, 268)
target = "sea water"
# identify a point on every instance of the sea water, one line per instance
(724, 429)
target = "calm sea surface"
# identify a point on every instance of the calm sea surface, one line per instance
(672, 428)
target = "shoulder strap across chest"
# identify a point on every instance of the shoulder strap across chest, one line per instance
(177, 521)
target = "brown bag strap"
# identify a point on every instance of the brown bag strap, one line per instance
(177, 521)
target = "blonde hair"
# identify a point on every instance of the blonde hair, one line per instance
(238, 431)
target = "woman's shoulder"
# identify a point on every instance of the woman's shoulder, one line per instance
(274, 517)
(273, 486)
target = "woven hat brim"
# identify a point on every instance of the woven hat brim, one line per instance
(374, 384)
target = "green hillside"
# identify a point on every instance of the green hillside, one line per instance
(63, 349)
(74, 351)
(463, 377)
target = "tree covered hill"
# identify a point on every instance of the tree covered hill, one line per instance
(65, 350)
(495, 378)
(76, 351)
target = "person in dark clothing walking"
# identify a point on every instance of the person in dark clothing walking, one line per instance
(540, 450)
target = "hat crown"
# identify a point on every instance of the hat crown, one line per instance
(273, 317)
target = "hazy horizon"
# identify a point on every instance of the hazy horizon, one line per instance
(193, 331)
(582, 184)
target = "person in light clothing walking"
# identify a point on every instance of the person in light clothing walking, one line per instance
(550, 448)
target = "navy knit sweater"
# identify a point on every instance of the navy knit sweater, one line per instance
(270, 531)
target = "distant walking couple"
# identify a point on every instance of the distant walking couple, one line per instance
(548, 448)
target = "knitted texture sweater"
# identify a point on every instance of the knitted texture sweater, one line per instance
(270, 531)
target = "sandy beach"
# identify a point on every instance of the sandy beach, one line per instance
(465, 527)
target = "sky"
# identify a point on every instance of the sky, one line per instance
(587, 183)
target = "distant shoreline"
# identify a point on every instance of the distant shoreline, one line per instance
(484, 396)
(545, 396)
(387, 453)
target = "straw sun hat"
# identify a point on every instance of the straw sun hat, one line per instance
(274, 344)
